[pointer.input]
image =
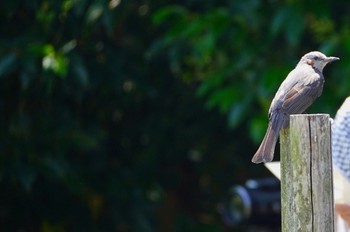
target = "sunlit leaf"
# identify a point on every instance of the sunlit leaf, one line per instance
(95, 11)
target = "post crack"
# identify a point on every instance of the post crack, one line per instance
(310, 176)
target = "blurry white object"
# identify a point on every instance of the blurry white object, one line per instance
(341, 139)
(275, 168)
(341, 166)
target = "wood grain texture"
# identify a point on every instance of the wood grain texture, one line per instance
(306, 175)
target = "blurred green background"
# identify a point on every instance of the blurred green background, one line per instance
(138, 115)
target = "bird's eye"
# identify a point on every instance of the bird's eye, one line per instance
(316, 58)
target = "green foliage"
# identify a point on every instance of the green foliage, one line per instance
(234, 51)
(139, 115)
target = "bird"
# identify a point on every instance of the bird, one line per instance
(296, 93)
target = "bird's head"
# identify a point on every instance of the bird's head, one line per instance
(317, 60)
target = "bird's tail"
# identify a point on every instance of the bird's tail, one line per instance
(267, 146)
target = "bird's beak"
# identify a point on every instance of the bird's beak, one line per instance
(331, 59)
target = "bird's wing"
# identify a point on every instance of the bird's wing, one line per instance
(302, 95)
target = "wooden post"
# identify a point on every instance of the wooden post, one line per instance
(306, 174)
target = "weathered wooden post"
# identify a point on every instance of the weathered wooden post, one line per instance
(306, 174)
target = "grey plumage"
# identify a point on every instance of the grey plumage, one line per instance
(296, 93)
